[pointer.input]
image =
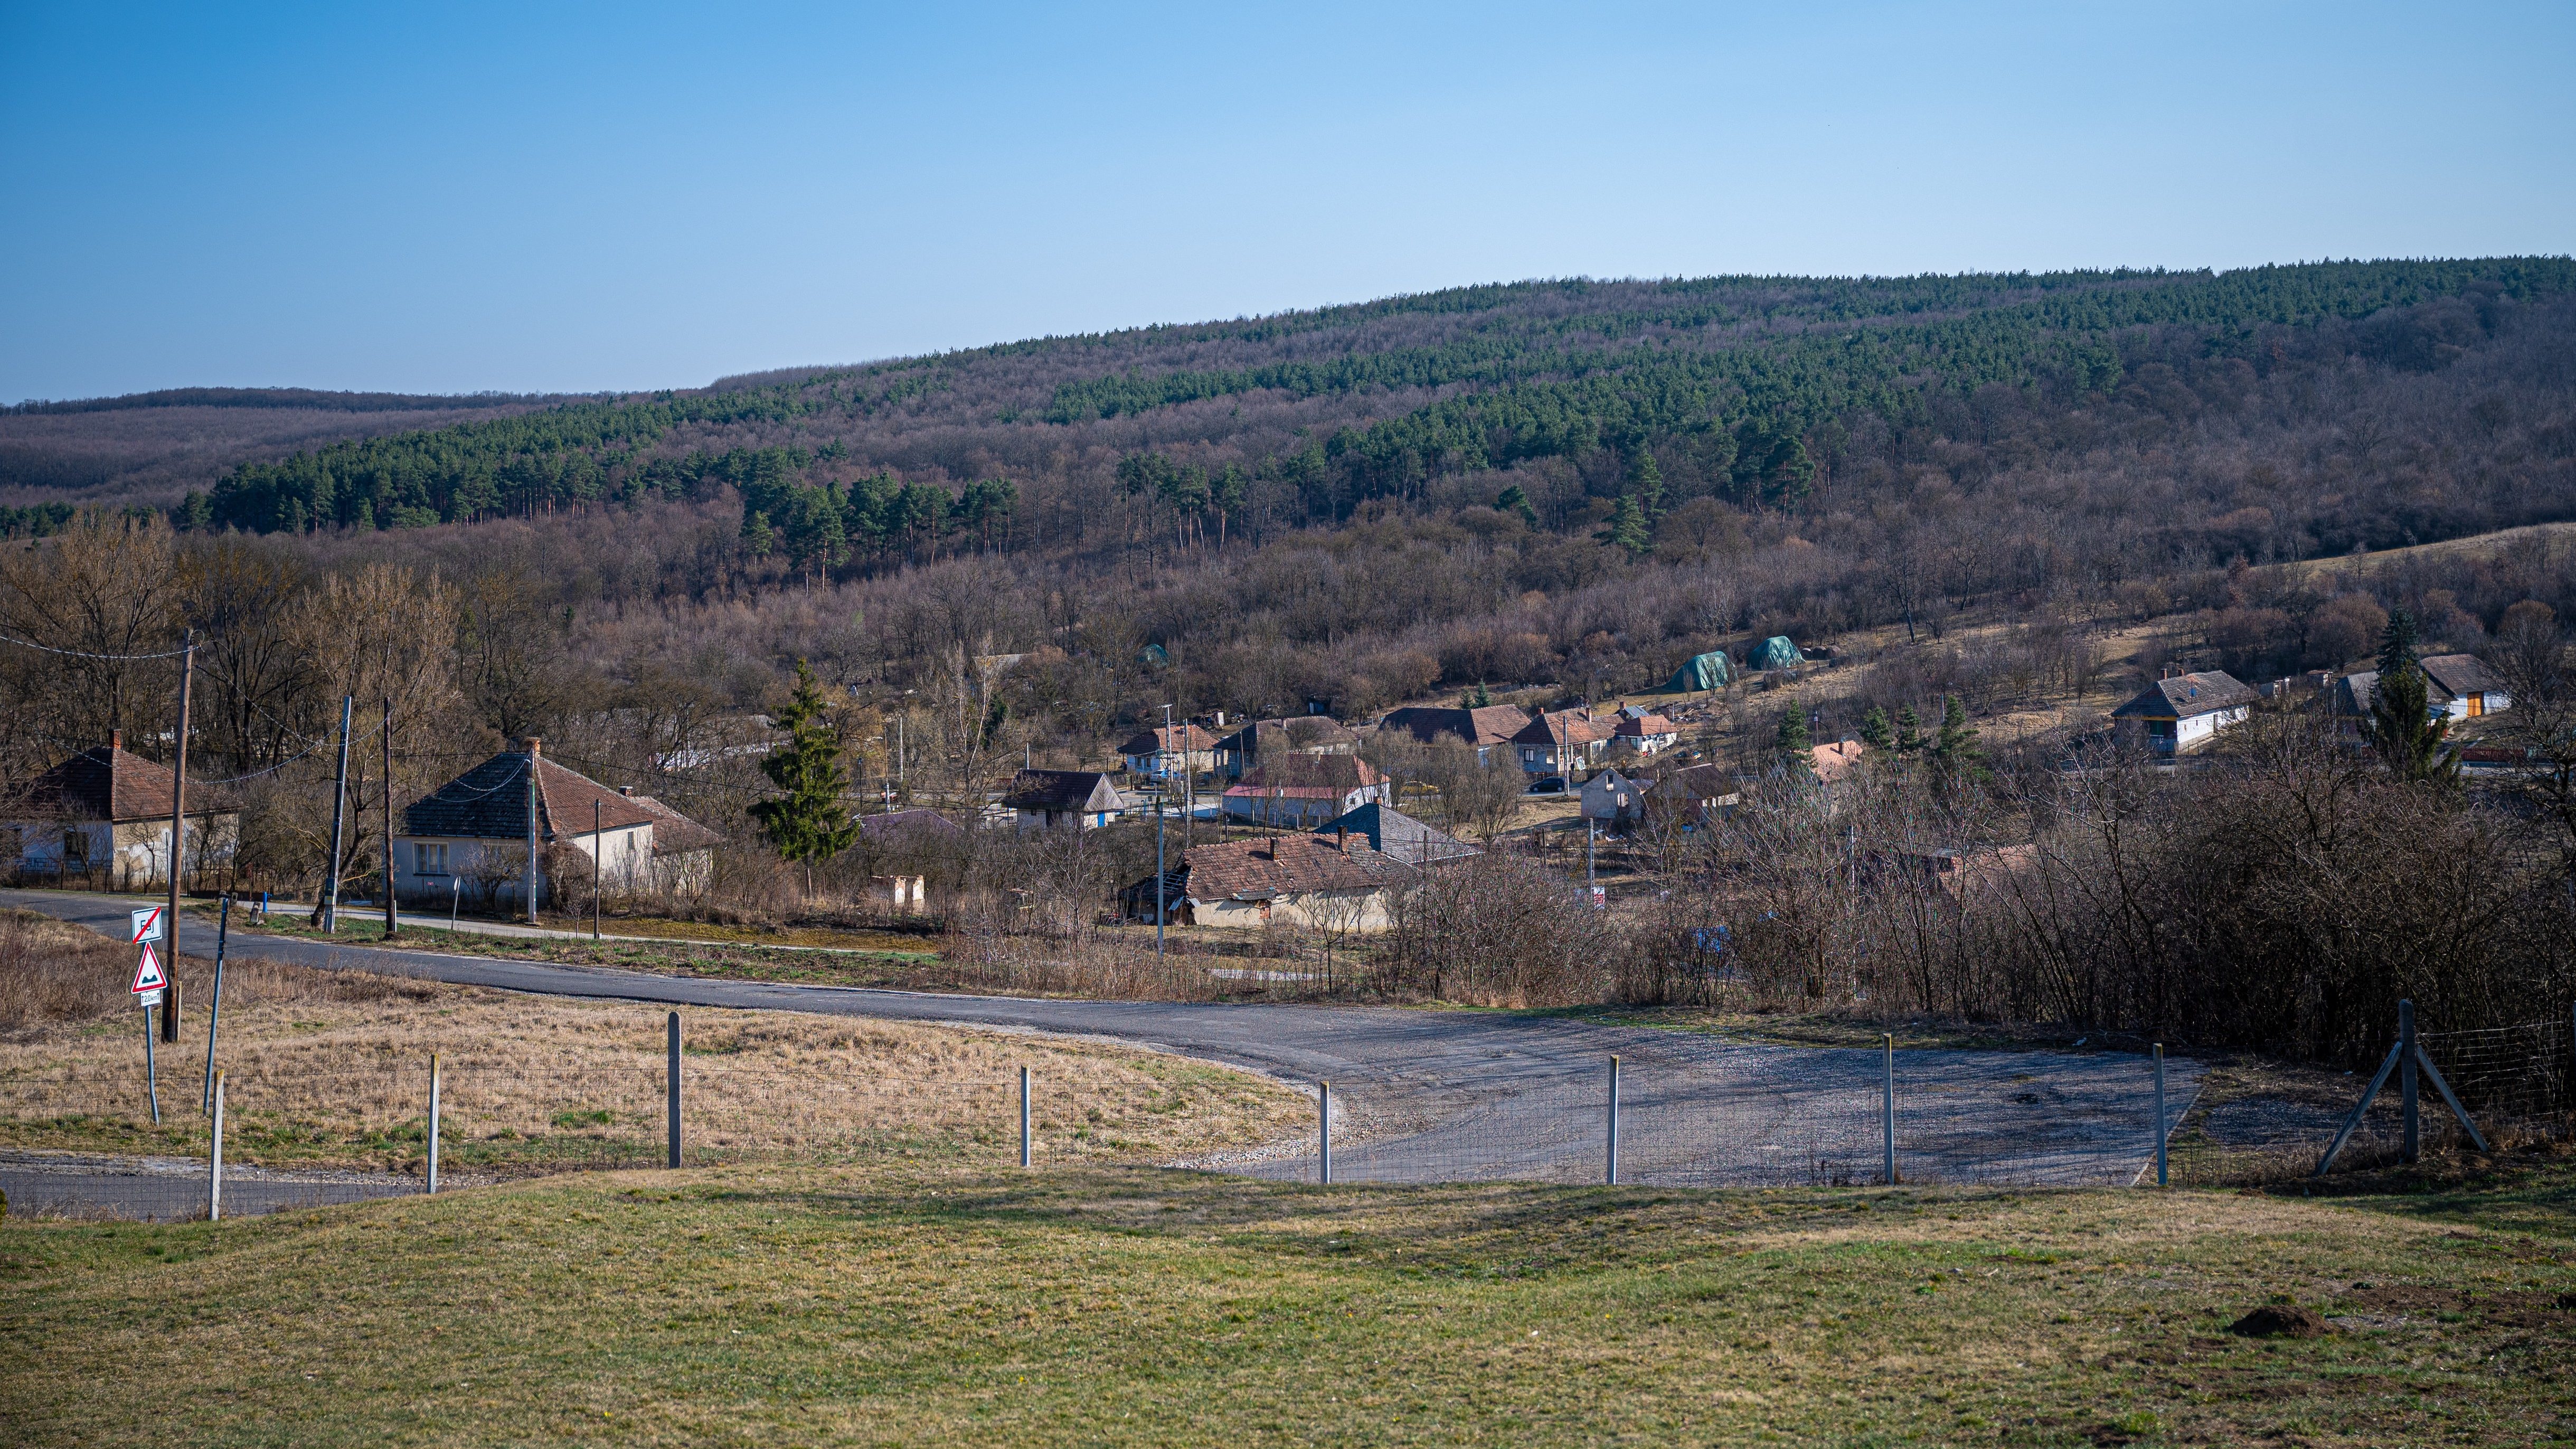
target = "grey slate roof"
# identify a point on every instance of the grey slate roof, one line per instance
(2186, 696)
(490, 802)
(2460, 675)
(1086, 791)
(1393, 833)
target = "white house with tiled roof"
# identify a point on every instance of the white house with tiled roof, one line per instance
(468, 839)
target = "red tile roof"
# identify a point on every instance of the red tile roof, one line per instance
(108, 782)
(1258, 870)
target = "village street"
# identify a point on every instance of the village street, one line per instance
(1439, 1094)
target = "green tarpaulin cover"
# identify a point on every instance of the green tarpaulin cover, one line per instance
(1704, 671)
(1776, 653)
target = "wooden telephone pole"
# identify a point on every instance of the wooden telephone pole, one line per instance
(178, 831)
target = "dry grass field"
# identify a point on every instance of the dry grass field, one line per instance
(332, 1068)
(917, 1303)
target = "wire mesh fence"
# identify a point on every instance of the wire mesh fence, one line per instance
(2517, 1083)
(1685, 1111)
(1701, 1112)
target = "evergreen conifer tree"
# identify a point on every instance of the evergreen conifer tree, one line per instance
(1627, 527)
(2412, 743)
(1875, 731)
(1909, 729)
(1954, 749)
(810, 822)
(1793, 743)
(1514, 501)
(1646, 482)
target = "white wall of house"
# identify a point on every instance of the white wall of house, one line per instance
(440, 866)
(133, 856)
(2200, 729)
(1315, 910)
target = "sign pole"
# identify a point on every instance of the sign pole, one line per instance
(329, 905)
(151, 1078)
(215, 1009)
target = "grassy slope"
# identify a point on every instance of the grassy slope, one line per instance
(1143, 1306)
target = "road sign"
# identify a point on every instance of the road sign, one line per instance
(147, 975)
(147, 926)
(148, 998)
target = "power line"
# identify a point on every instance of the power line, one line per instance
(85, 654)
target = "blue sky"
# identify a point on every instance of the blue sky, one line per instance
(540, 196)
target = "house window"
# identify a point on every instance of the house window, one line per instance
(76, 849)
(429, 858)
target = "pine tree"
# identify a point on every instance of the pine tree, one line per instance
(2412, 743)
(1955, 750)
(1909, 729)
(1514, 501)
(1627, 528)
(1647, 483)
(1483, 696)
(1875, 730)
(757, 536)
(1793, 743)
(810, 822)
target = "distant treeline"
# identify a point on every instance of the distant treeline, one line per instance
(282, 397)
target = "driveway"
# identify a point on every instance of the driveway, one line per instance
(1434, 1095)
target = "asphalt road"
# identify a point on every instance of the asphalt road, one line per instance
(1427, 1095)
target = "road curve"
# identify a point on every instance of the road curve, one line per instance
(1435, 1095)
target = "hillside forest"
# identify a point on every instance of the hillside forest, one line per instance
(2025, 494)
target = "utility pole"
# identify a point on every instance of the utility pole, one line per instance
(178, 832)
(1163, 813)
(339, 809)
(595, 849)
(391, 924)
(529, 883)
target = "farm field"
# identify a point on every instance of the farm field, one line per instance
(956, 1304)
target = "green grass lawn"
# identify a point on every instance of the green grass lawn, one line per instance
(1134, 1305)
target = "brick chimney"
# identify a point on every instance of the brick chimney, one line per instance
(116, 739)
(1342, 839)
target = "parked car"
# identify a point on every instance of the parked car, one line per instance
(1548, 785)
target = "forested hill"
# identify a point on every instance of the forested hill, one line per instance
(1768, 394)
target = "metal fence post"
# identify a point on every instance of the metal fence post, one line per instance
(2406, 1077)
(2161, 1180)
(673, 1110)
(1323, 1131)
(1024, 1116)
(215, 1172)
(433, 1123)
(1887, 1106)
(223, 926)
(1611, 1174)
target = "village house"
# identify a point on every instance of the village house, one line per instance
(1336, 882)
(105, 813)
(1614, 801)
(1564, 742)
(1244, 751)
(2461, 686)
(467, 840)
(1391, 832)
(1830, 763)
(2186, 711)
(1643, 733)
(1692, 798)
(1484, 729)
(1063, 800)
(1300, 791)
(1167, 752)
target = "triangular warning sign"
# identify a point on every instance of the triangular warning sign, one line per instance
(147, 973)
